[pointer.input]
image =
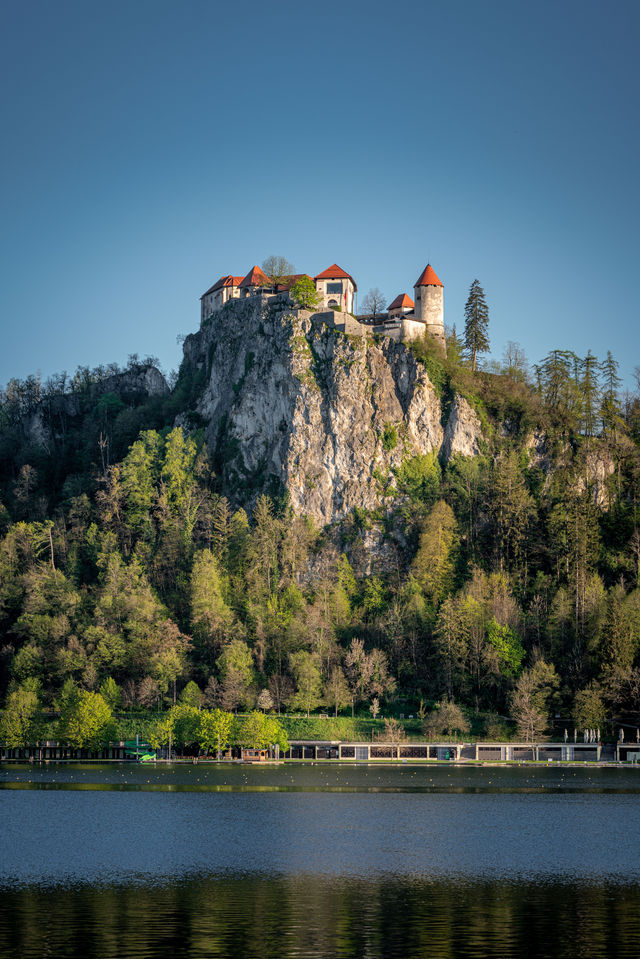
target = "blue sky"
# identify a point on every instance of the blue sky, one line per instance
(151, 146)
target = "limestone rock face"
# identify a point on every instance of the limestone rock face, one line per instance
(132, 386)
(536, 445)
(145, 380)
(464, 430)
(599, 466)
(291, 403)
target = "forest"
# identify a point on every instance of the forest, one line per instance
(128, 577)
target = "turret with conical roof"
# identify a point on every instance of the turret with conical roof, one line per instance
(429, 300)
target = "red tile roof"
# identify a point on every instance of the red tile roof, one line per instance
(223, 281)
(335, 272)
(212, 289)
(428, 278)
(403, 302)
(255, 277)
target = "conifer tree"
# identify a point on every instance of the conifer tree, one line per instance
(476, 323)
(610, 409)
(455, 346)
(590, 393)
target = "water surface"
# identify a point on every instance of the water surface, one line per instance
(318, 860)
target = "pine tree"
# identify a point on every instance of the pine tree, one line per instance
(590, 389)
(610, 409)
(476, 323)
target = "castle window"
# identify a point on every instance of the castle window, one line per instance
(334, 288)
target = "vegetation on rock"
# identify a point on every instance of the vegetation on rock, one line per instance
(505, 584)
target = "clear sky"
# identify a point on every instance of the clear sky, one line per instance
(149, 147)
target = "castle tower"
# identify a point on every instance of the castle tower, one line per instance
(429, 303)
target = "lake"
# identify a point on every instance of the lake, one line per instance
(319, 860)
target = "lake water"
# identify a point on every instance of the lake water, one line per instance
(319, 860)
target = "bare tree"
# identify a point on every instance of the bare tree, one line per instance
(394, 731)
(446, 717)
(514, 362)
(281, 689)
(277, 268)
(374, 302)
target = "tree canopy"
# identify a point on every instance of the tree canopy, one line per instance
(506, 582)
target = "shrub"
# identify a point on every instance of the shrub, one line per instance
(389, 437)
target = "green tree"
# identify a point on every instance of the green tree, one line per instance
(48, 621)
(434, 563)
(237, 675)
(558, 382)
(476, 323)
(611, 410)
(182, 468)
(183, 724)
(419, 477)
(590, 389)
(257, 731)
(304, 294)
(512, 510)
(215, 730)
(262, 573)
(111, 693)
(305, 669)
(620, 647)
(455, 347)
(466, 479)
(588, 707)
(139, 475)
(191, 695)
(21, 721)
(451, 641)
(508, 645)
(211, 616)
(86, 721)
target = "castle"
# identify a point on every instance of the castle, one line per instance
(405, 319)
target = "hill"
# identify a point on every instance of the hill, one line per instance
(345, 521)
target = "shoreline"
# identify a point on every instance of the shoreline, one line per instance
(381, 763)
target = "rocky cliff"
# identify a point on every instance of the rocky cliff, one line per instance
(288, 402)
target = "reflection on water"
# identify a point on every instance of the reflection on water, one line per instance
(281, 918)
(318, 777)
(282, 861)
